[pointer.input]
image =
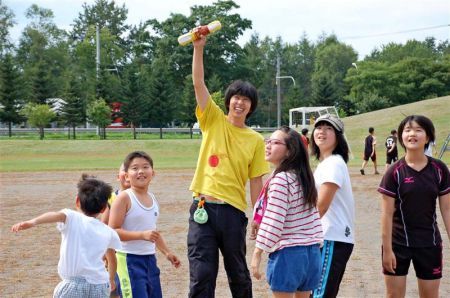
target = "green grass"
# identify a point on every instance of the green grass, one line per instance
(57, 155)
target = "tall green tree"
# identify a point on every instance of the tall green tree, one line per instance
(99, 113)
(10, 99)
(6, 23)
(42, 56)
(73, 109)
(38, 115)
(136, 96)
(105, 14)
(332, 62)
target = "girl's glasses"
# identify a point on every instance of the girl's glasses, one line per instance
(273, 142)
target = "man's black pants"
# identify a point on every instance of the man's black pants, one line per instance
(225, 230)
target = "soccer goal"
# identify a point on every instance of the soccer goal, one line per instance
(305, 117)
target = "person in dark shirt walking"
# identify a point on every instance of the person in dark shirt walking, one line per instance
(391, 149)
(369, 151)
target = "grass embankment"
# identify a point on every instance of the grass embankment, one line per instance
(437, 109)
(58, 155)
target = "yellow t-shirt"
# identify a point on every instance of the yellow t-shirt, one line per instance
(228, 157)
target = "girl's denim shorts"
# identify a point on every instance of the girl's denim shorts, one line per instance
(293, 269)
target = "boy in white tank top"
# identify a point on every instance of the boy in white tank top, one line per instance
(134, 214)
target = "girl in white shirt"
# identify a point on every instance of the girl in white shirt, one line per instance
(290, 229)
(335, 201)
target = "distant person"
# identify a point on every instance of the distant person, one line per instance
(305, 139)
(123, 185)
(430, 150)
(391, 149)
(84, 242)
(231, 154)
(335, 202)
(134, 214)
(290, 229)
(369, 151)
(410, 190)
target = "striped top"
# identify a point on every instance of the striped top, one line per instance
(288, 220)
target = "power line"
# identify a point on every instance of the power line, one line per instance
(397, 32)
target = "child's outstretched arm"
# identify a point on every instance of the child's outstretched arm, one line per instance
(161, 245)
(49, 217)
(444, 205)
(112, 267)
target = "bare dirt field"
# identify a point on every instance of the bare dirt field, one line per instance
(28, 260)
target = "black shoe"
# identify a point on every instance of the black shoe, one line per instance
(362, 172)
(377, 173)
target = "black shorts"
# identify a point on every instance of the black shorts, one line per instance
(391, 159)
(335, 256)
(367, 156)
(427, 261)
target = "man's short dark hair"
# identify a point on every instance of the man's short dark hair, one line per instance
(242, 88)
(304, 131)
(93, 194)
(371, 129)
(393, 131)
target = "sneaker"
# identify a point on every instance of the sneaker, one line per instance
(377, 173)
(362, 172)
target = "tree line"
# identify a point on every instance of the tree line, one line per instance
(51, 73)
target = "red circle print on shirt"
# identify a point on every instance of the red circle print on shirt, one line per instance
(213, 161)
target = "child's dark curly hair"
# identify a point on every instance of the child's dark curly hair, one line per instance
(93, 194)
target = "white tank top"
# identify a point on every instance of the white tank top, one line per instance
(140, 218)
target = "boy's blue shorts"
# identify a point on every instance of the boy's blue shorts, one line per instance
(138, 275)
(293, 269)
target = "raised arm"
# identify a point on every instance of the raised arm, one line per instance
(49, 217)
(198, 74)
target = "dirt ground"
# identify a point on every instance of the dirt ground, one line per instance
(28, 260)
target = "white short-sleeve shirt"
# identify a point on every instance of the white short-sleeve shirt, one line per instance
(84, 242)
(338, 221)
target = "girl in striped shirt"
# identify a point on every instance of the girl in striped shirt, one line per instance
(290, 230)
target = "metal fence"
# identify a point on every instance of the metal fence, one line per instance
(182, 132)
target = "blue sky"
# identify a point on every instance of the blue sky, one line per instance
(364, 24)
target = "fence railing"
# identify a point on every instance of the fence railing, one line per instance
(183, 132)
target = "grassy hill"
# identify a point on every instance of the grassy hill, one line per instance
(356, 127)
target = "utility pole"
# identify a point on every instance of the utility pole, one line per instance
(278, 77)
(278, 93)
(97, 58)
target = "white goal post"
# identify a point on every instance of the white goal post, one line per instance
(305, 117)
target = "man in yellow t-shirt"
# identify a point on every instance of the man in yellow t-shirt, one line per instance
(230, 154)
